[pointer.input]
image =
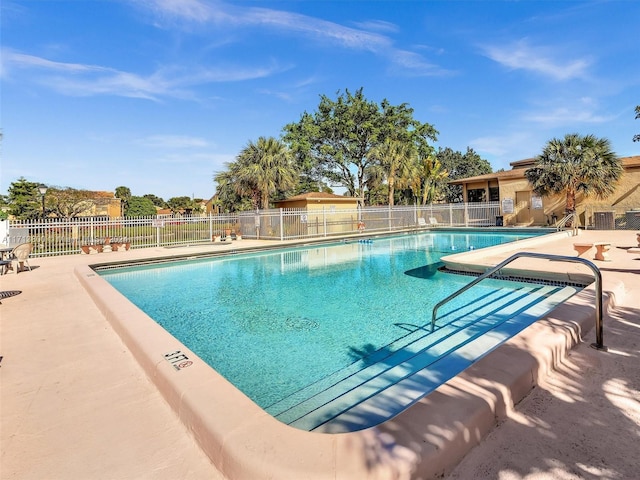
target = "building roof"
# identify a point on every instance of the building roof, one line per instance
(515, 173)
(518, 168)
(103, 194)
(319, 197)
(527, 162)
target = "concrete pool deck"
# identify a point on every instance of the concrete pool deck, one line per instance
(76, 404)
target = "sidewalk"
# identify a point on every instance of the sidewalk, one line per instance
(76, 405)
(583, 421)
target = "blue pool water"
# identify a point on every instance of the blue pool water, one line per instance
(308, 333)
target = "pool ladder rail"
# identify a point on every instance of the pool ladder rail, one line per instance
(598, 345)
(573, 220)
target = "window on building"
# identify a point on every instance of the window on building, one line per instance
(476, 195)
(494, 194)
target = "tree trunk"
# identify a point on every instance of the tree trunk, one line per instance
(571, 201)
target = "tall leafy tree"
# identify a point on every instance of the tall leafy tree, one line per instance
(4, 207)
(576, 164)
(180, 204)
(24, 199)
(336, 142)
(124, 194)
(69, 202)
(140, 207)
(460, 165)
(157, 201)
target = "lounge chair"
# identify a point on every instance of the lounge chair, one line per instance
(433, 221)
(4, 266)
(20, 255)
(422, 222)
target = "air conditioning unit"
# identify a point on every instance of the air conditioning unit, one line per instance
(604, 220)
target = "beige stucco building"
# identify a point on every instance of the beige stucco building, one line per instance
(520, 206)
(342, 211)
(103, 204)
(319, 201)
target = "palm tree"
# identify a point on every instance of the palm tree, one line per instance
(261, 170)
(397, 159)
(434, 177)
(573, 165)
(230, 192)
(428, 179)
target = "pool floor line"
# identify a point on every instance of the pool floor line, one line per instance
(419, 381)
(405, 351)
(244, 442)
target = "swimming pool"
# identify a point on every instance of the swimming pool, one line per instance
(314, 335)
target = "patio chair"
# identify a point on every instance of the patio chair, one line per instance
(20, 255)
(433, 221)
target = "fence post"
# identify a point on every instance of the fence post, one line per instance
(466, 214)
(281, 225)
(324, 221)
(4, 232)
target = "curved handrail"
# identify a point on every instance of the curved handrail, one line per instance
(573, 217)
(599, 345)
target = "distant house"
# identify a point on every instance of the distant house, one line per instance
(104, 204)
(520, 206)
(211, 206)
(318, 201)
(342, 210)
(164, 212)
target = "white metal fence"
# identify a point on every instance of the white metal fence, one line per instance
(283, 224)
(54, 236)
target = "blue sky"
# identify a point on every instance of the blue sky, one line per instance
(156, 95)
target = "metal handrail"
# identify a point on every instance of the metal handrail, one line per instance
(599, 345)
(574, 222)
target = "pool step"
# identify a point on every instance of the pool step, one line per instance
(458, 318)
(374, 395)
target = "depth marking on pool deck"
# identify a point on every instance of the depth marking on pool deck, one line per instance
(178, 359)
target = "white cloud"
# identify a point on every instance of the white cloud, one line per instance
(20, 60)
(500, 145)
(191, 10)
(76, 79)
(172, 141)
(567, 116)
(378, 25)
(522, 56)
(505, 148)
(362, 39)
(567, 113)
(414, 64)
